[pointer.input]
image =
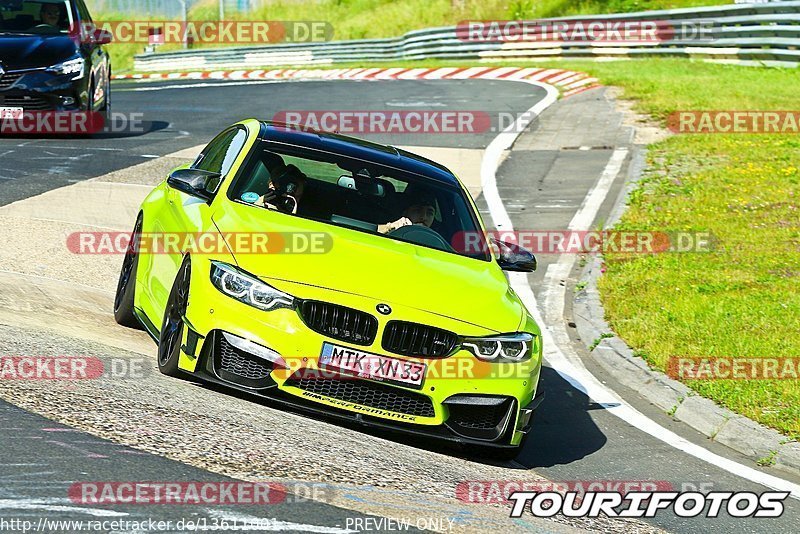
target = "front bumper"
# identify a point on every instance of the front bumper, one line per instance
(460, 400)
(38, 90)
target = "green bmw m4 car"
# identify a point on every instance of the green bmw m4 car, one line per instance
(339, 277)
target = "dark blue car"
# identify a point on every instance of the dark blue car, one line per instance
(49, 58)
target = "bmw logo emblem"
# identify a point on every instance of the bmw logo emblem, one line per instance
(384, 309)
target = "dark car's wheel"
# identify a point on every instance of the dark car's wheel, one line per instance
(106, 109)
(169, 342)
(126, 286)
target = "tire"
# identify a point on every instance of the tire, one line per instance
(105, 111)
(169, 341)
(126, 286)
(107, 94)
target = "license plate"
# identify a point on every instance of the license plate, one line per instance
(373, 366)
(11, 113)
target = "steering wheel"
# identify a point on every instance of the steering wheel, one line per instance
(45, 27)
(422, 235)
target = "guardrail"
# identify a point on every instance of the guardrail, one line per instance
(763, 33)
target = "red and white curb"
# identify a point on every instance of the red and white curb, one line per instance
(569, 82)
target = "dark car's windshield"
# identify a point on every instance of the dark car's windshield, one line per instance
(360, 195)
(50, 17)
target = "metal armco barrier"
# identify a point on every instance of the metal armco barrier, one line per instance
(750, 33)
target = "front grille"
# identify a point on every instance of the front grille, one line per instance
(339, 322)
(365, 393)
(8, 79)
(32, 103)
(410, 339)
(240, 367)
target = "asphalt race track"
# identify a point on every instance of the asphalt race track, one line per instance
(99, 430)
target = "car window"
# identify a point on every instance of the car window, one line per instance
(360, 195)
(220, 154)
(36, 16)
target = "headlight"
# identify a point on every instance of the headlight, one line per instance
(248, 289)
(507, 348)
(72, 66)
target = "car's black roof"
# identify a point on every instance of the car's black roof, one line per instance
(356, 148)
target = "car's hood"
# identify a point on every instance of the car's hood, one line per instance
(394, 272)
(22, 51)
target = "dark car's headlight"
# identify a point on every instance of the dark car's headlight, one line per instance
(245, 288)
(72, 67)
(506, 348)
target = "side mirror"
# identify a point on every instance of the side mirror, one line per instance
(102, 37)
(195, 182)
(513, 257)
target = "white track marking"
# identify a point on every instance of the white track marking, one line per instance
(368, 72)
(522, 73)
(496, 73)
(440, 73)
(388, 74)
(561, 356)
(203, 84)
(50, 505)
(412, 74)
(469, 73)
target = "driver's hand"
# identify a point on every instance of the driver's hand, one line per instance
(399, 223)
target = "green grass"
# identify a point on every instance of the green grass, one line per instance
(362, 19)
(743, 299)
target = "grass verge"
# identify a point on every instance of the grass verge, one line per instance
(742, 299)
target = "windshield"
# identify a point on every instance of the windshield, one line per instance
(359, 195)
(52, 17)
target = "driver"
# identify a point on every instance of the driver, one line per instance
(421, 210)
(50, 14)
(286, 189)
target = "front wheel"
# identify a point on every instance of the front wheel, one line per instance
(169, 342)
(126, 286)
